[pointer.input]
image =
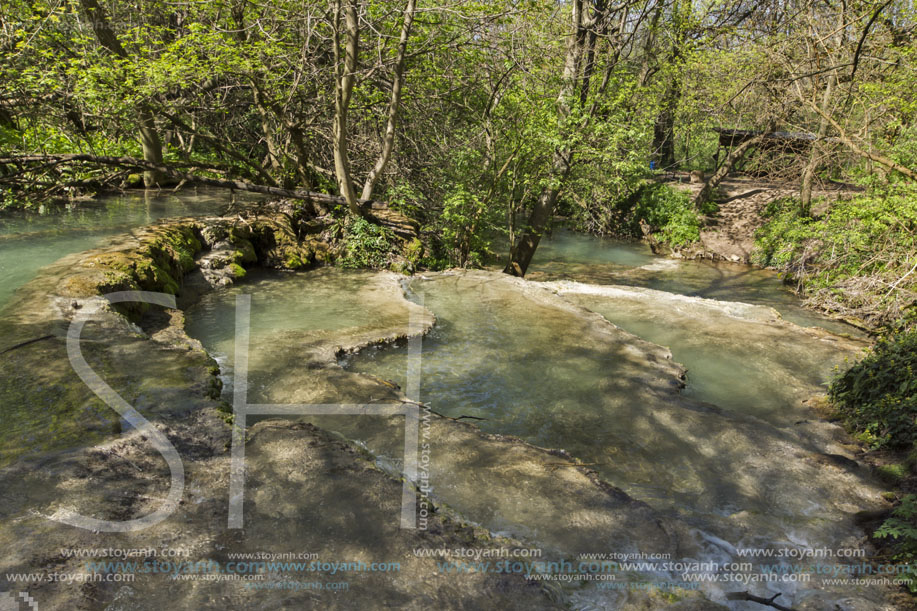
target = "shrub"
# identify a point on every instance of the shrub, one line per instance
(902, 527)
(365, 244)
(877, 397)
(467, 224)
(669, 213)
(857, 259)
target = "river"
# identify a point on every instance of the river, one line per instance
(673, 398)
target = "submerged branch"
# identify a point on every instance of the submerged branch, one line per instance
(758, 599)
(436, 413)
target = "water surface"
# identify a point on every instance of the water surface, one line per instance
(566, 255)
(30, 240)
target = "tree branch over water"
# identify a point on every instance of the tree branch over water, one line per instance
(375, 211)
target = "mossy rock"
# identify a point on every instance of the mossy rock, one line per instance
(174, 246)
(215, 232)
(238, 272)
(322, 252)
(413, 251)
(293, 261)
(245, 252)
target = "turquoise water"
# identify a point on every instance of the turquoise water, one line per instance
(34, 239)
(288, 311)
(572, 256)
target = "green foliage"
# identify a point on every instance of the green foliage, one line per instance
(669, 213)
(365, 244)
(892, 474)
(902, 527)
(467, 225)
(413, 252)
(855, 258)
(877, 397)
(486, 124)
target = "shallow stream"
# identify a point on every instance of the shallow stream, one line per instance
(683, 384)
(34, 239)
(733, 455)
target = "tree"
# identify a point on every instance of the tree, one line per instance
(592, 32)
(346, 41)
(149, 137)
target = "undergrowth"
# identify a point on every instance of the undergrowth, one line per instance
(877, 400)
(666, 212)
(858, 259)
(365, 244)
(877, 397)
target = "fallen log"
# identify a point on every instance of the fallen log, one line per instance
(373, 210)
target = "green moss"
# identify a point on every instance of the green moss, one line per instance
(891, 474)
(402, 266)
(246, 251)
(238, 271)
(215, 388)
(413, 251)
(165, 254)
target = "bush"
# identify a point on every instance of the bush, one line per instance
(468, 225)
(877, 397)
(366, 245)
(902, 527)
(669, 213)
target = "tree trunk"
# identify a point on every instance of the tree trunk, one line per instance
(808, 175)
(524, 249)
(152, 147)
(737, 153)
(664, 139)
(388, 140)
(149, 137)
(343, 89)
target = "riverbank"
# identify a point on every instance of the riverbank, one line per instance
(729, 233)
(852, 257)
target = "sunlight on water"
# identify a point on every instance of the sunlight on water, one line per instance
(570, 256)
(285, 308)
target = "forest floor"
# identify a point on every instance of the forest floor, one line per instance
(729, 234)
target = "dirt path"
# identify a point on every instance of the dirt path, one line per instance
(729, 235)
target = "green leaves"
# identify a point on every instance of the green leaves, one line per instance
(366, 245)
(902, 527)
(878, 396)
(468, 224)
(857, 254)
(669, 213)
